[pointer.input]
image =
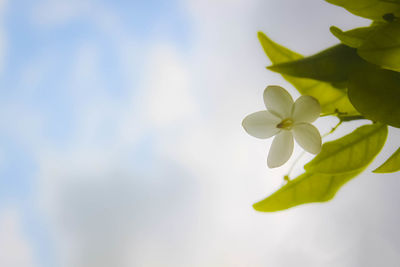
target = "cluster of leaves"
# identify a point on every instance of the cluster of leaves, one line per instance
(358, 78)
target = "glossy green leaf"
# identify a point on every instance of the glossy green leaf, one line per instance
(392, 164)
(371, 9)
(353, 38)
(375, 93)
(329, 97)
(351, 152)
(331, 65)
(307, 188)
(382, 46)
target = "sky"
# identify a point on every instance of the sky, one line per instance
(121, 141)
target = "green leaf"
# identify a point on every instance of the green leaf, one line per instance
(307, 188)
(353, 38)
(349, 155)
(375, 93)
(378, 44)
(329, 97)
(391, 1)
(332, 65)
(371, 9)
(382, 46)
(392, 164)
(351, 152)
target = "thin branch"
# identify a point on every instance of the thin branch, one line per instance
(333, 129)
(351, 118)
(286, 177)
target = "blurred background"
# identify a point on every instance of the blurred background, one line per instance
(121, 141)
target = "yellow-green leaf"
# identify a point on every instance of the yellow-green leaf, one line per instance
(329, 97)
(375, 92)
(392, 164)
(371, 9)
(351, 152)
(353, 38)
(382, 46)
(331, 65)
(339, 161)
(308, 187)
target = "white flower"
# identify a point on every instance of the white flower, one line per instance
(285, 119)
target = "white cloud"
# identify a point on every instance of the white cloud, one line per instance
(168, 98)
(192, 206)
(15, 250)
(54, 12)
(104, 213)
(227, 63)
(96, 202)
(92, 213)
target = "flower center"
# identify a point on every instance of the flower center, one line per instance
(285, 124)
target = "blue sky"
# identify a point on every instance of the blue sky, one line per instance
(121, 140)
(44, 55)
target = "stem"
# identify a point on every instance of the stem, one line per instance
(334, 113)
(351, 118)
(333, 129)
(342, 118)
(328, 114)
(286, 178)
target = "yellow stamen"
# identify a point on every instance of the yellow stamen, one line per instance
(285, 124)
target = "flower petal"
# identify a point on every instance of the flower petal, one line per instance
(308, 137)
(261, 124)
(306, 109)
(281, 149)
(278, 101)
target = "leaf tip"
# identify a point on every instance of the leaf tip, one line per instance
(376, 170)
(336, 31)
(275, 68)
(256, 207)
(380, 170)
(260, 206)
(383, 170)
(262, 37)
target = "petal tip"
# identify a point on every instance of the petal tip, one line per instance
(278, 100)
(316, 151)
(273, 166)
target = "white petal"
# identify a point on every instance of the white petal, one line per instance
(261, 124)
(308, 137)
(278, 101)
(306, 109)
(281, 149)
